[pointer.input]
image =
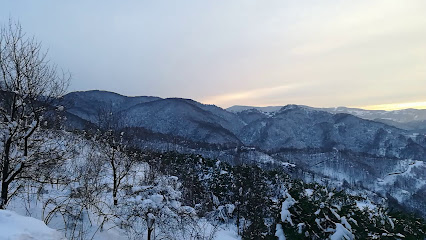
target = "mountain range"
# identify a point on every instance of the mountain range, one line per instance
(287, 127)
(407, 119)
(362, 148)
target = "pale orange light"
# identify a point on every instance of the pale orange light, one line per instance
(396, 106)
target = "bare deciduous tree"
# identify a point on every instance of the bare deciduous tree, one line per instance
(121, 163)
(28, 85)
(119, 157)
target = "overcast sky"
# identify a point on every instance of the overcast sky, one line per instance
(324, 53)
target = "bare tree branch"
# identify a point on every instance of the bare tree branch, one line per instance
(28, 85)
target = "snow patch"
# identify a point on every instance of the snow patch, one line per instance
(309, 192)
(365, 204)
(14, 226)
(285, 213)
(341, 233)
(279, 232)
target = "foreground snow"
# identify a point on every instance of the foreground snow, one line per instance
(17, 227)
(227, 235)
(14, 226)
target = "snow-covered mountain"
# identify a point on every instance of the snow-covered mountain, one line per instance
(269, 109)
(177, 117)
(401, 116)
(302, 128)
(184, 118)
(413, 120)
(333, 145)
(87, 104)
(290, 127)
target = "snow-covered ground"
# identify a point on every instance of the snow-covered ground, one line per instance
(67, 206)
(16, 227)
(227, 234)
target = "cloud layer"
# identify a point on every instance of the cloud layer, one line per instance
(318, 53)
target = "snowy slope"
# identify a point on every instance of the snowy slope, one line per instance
(16, 227)
(83, 205)
(181, 117)
(303, 128)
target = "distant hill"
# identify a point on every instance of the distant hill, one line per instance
(408, 119)
(270, 109)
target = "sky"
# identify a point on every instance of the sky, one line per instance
(328, 53)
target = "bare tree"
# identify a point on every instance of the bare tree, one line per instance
(106, 118)
(28, 85)
(120, 160)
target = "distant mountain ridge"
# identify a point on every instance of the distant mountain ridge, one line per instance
(86, 104)
(238, 108)
(175, 116)
(407, 119)
(402, 116)
(289, 127)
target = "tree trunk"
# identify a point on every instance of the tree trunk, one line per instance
(114, 195)
(238, 219)
(4, 194)
(149, 233)
(115, 178)
(114, 189)
(5, 175)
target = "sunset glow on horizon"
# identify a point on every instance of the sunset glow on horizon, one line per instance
(396, 106)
